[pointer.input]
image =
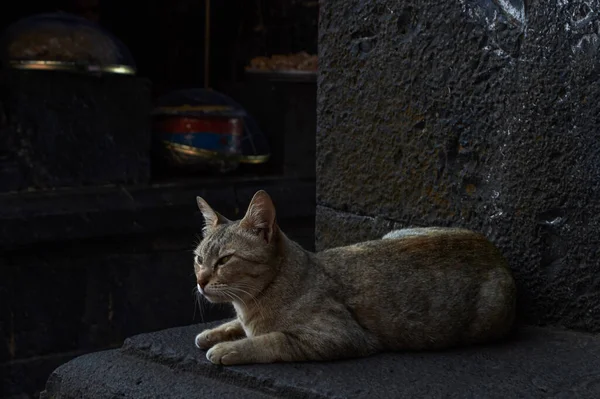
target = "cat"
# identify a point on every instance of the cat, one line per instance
(415, 289)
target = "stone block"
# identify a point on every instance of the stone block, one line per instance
(534, 363)
(479, 114)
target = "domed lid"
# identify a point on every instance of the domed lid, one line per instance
(62, 41)
(202, 102)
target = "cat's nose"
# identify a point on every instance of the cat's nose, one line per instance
(202, 284)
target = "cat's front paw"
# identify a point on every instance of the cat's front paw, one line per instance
(224, 353)
(207, 339)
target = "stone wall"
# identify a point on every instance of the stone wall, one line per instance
(482, 114)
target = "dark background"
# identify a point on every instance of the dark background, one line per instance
(94, 252)
(166, 37)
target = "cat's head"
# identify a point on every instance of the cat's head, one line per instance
(236, 260)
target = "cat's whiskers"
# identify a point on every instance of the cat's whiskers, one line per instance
(195, 299)
(195, 302)
(227, 291)
(233, 297)
(252, 297)
(199, 300)
(236, 296)
(226, 294)
(248, 289)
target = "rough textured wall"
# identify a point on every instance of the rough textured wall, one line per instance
(482, 114)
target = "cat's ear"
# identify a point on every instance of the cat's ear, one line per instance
(211, 218)
(260, 216)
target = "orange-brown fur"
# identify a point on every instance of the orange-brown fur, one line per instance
(422, 288)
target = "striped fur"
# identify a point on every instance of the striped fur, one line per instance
(415, 289)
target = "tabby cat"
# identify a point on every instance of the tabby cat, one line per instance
(415, 289)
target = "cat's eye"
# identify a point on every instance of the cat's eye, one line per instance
(223, 260)
(198, 260)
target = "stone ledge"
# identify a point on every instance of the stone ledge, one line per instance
(536, 362)
(111, 374)
(91, 212)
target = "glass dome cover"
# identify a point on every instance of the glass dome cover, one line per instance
(197, 102)
(62, 41)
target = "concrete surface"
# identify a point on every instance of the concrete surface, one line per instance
(473, 113)
(535, 363)
(111, 374)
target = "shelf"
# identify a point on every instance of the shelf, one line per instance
(34, 217)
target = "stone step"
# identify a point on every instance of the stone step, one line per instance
(112, 374)
(534, 363)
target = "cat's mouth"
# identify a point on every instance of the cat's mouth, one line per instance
(213, 296)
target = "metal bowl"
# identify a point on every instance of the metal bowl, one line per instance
(64, 42)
